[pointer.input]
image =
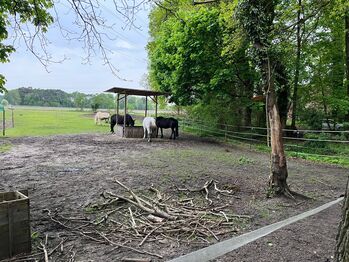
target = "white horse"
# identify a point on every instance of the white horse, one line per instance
(101, 116)
(148, 124)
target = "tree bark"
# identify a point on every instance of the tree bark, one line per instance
(262, 13)
(298, 62)
(278, 169)
(347, 53)
(342, 246)
(248, 116)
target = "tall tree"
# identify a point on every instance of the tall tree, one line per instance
(346, 18)
(199, 55)
(342, 246)
(323, 87)
(297, 65)
(80, 100)
(257, 18)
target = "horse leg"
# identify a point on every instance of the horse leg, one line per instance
(157, 132)
(162, 134)
(145, 132)
(171, 133)
(112, 128)
(149, 134)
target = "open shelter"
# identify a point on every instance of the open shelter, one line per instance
(122, 94)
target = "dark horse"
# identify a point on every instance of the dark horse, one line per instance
(119, 119)
(162, 122)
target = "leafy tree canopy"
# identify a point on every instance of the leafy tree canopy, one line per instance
(192, 58)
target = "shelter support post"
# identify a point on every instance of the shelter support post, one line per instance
(117, 103)
(125, 112)
(156, 106)
(146, 106)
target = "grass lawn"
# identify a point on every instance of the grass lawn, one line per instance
(42, 122)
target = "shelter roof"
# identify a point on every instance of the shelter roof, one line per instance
(136, 92)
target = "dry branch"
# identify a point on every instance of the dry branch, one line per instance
(139, 219)
(206, 190)
(131, 248)
(158, 194)
(151, 232)
(129, 259)
(151, 209)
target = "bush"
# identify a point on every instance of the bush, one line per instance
(319, 147)
(313, 119)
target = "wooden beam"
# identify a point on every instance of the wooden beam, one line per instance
(146, 106)
(117, 103)
(153, 99)
(125, 105)
(120, 98)
(156, 106)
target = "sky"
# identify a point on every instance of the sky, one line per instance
(128, 55)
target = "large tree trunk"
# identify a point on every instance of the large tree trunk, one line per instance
(282, 93)
(342, 246)
(248, 116)
(278, 174)
(257, 19)
(298, 64)
(347, 53)
(248, 92)
(278, 170)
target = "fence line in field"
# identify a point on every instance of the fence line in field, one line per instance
(190, 122)
(256, 138)
(265, 128)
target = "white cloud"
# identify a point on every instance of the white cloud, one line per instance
(124, 44)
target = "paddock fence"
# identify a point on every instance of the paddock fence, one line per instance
(323, 145)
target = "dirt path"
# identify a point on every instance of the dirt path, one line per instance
(66, 173)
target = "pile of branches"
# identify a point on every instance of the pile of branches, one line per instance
(133, 220)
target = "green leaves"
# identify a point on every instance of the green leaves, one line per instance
(2, 84)
(189, 57)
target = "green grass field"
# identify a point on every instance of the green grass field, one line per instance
(42, 122)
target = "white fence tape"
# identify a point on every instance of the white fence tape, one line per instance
(221, 248)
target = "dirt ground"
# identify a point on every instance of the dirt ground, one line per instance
(66, 174)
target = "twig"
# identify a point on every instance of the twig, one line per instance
(209, 230)
(225, 216)
(151, 232)
(129, 259)
(220, 190)
(45, 251)
(105, 217)
(71, 259)
(233, 215)
(87, 236)
(131, 248)
(153, 210)
(54, 249)
(133, 222)
(158, 194)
